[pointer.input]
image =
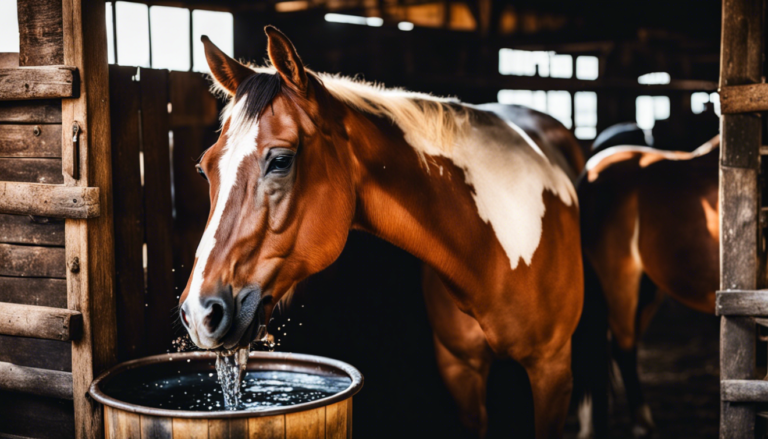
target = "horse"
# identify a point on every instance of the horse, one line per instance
(650, 226)
(305, 157)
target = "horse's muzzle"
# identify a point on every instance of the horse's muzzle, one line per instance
(249, 315)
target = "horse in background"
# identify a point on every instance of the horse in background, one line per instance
(650, 226)
(305, 157)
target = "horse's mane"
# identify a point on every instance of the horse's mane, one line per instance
(432, 125)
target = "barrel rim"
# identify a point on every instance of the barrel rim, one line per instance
(345, 368)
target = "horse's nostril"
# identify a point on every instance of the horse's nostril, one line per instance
(213, 319)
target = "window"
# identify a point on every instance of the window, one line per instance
(585, 117)
(9, 26)
(699, 101)
(218, 26)
(355, 19)
(654, 78)
(110, 34)
(132, 34)
(170, 37)
(557, 103)
(649, 109)
(530, 63)
(561, 66)
(587, 67)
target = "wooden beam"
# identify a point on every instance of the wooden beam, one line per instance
(43, 111)
(744, 390)
(40, 322)
(91, 290)
(23, 170)
(41, 38)
(32, 261)
(30, 141)
(742, 303)
(744, 98)
(34, 381)
(38, 291)
(31, 230)
(38, 83)
(49, 200)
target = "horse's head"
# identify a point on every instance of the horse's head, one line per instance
(282, 197)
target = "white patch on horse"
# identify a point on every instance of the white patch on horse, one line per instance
(586, 428)
(236, 149)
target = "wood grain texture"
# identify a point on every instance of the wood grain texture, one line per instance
(36, 141)
(32, 261)
(192, 104)
(744, 390)
(153, 427)
(39, 322)
(742, 303)
(38, 83)
(49, 200)
(744, 98)
(9, 60)
(128, 213)
(266, 427)
(30, 416)
(42, 111)
(26, 229)
(190, 428)
(336, 420)
(308, 424)
(34, 291)
(228, 428)
(122, 424)
(42, 171)
(41, 36)
(26, 352)
(34, 381)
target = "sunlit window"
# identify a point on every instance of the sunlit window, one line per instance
(132, 34)
(699, 101)
(654, 78)
(649, 109)
(356, 19)
(532, 63)
(9, 26)
(170, 37)
(561, 66)
(219, 28)
(557, 103)
(585, 117)
(587, 67)
(110, 34)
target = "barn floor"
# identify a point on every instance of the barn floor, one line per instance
(679, 371)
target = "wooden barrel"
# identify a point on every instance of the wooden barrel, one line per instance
(329, 417)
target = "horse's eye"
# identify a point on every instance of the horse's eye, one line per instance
(280, 163)
(201, 172)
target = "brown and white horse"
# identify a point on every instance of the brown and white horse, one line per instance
(305, 157)
(649, 214)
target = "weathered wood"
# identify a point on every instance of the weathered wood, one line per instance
(41, 37)
(308, 424)
(9, 60)
(742, 303)
(744, 98)
(26, 352)
(270, 426)
(228, 428)
(190, 428)
(122, 424)
(336, 420)
(30, 141)
(39, 322)
(30, 416)
(34, 381)
(34, 291)
(26, 229)
(49, 200)
(43, 111)
(42, 171)
(32, 261)
(192, 104)
(744, 390)
(128, 213)
(158, 207)
(38, 83)
(91, 290)
(153, 427)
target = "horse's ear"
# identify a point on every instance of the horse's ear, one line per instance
(225, 70)
(285, 59)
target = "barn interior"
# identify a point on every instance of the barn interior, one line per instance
(590, 64)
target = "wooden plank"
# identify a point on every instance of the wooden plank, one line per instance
(42, 171)
(40, 322)
(744, 98)
(123, 424)
(269, 426)
(38, 83)
(91, 290)
(336, 420)
(158, 209)
(228, 428)
(742, 303)
(42, 111)
(744, 390)
(309, 424)
(128, 213)
(34, 352)
(34, 291)
(49, 200)
(34, 381)
(30, 416)
(192, 104)
(32, 261)
(26, 229)
(153, 427)
(30, 141)
(9, 60)
(190, 428)
(41, 37)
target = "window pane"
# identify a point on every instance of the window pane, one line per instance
(661, 107)
(654, 78)
(518, 97)
(587, 67)
(170, 37)
(560, 66)
(559, 106)
(132, 34)
(585, 103)
(644, 112)
(541, 61)
(517, 62)
(585, 133)
(715, 99)
(219, 28)
(9, 26)
(699, 101)
(110, 34)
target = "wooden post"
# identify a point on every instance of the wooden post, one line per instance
(90, 288)
(741, 63)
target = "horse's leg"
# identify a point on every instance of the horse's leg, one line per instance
(551, 384)
(463, 355)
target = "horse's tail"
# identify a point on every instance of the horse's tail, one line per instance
(591, 359)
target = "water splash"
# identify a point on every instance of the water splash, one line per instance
(230, 366)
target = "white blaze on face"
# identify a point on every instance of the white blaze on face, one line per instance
(241, 142)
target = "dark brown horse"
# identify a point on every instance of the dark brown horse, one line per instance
(649, 214)
(305, 157)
